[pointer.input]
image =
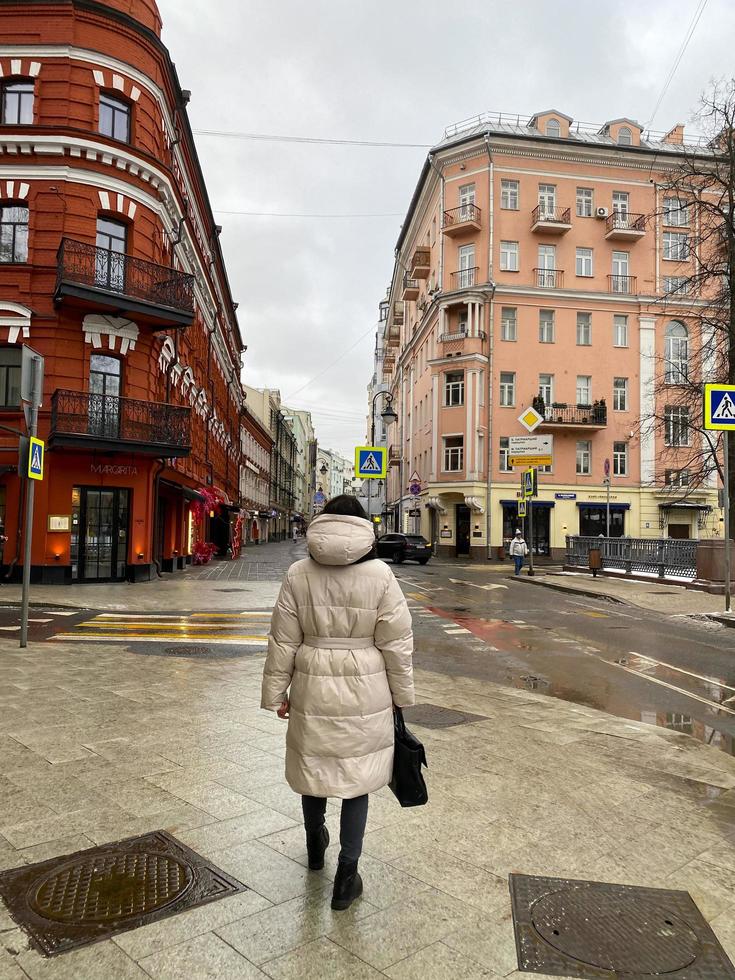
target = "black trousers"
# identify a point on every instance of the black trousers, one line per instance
(352, 822)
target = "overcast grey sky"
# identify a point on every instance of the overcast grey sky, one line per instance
(387, 70)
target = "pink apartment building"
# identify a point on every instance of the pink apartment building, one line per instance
(536, 266)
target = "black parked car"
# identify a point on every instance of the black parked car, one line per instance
(404, 547)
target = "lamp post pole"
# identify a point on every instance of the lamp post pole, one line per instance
(388, 415)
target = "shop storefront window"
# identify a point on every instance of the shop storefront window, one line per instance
(593, 521)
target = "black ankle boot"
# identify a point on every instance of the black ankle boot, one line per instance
(316, 844)
(347, 885)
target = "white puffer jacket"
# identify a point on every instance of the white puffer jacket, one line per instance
(341, 640)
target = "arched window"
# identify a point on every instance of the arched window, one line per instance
(13, 232)
(677, 353)
(17, 102)
(625, 136)
(553, 128)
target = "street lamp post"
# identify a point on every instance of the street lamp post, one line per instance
(388, 415)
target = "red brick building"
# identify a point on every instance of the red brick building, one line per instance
(110, 268)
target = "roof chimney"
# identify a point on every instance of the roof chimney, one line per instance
(675, 134)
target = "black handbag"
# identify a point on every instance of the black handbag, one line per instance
(407, 783)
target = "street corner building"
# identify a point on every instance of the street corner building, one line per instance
(110, 268)
(547, 264)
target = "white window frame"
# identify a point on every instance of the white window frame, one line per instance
(510, 194)
(546, 200)
(620, 459)
(504, 458)
(507, 389)
(585, 202)
(584, 384)
(583, 262)
(509, 323)
(546, 388)
(620, 329)
(546, 326)
(676, 353)
(584, 457)
(452, 456)
(676, 285)
(453, 390)
(552, 128)
(620, 395)
(621, 202)
(676, 246)
(677, 426)
(676, 212)
(509, 256)
(584, 329)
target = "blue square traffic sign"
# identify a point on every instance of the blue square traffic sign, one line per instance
(719, 407)
(371, 462)
(35, 458)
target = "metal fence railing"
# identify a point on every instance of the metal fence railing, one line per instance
(661, 556)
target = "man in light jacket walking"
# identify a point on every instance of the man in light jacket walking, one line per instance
(518, 551)
(339, 657)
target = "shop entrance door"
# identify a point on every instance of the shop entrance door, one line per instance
(541, 526)
(99, 540)
(463, 530)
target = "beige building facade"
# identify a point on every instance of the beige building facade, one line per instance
(542, 264)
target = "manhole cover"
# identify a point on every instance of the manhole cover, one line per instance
(591, 929)
(188, 650)
(81, 898)
(435, 716)
(110, 887)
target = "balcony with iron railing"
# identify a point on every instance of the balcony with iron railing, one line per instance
(625, 226)
(421, 262)
(464, 278)
(552, 220)
(579, 416)
(548, 278)
(394, 456)
(459, 221)
(410, 287)
(124, 425)
(623, 285)
(97, 278)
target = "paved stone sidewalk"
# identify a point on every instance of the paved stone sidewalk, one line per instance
(97, 744)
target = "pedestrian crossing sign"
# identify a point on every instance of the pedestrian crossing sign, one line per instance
(35, 459)
(719, 407)
(371, 462)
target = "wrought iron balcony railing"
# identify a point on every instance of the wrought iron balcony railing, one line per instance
(549, 278)
(557, 216)
(105, 271)
(461, 215)
(128, 423)
(465, 278)
(626, 285)
(559, 413)
(625, 221)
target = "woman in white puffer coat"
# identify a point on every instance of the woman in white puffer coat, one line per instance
(339, 658)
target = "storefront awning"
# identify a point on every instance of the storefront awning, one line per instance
(684, 505)
(187, 492)
(597, 505)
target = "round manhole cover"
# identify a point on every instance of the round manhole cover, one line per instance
(188, 650)
(110, 887)
(622, 933)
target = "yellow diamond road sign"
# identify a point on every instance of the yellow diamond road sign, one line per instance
(530, 419)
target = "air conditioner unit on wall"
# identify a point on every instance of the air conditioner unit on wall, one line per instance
(601, 213)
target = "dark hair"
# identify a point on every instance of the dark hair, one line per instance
(345, 506)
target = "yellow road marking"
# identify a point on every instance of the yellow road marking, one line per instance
(177, 637)
(417, 595)
(595, 615)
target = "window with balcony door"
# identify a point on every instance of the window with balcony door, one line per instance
(509, 256)
(114, 118)
(453, 388)
(620, 394)
(13, 233)
(620, 459)
(584, 329)
(453, 454)
(509, 323)
(507, 389)
(583, 266)
(112, 239)
(546, 326)
(585, 202)
(676, 353)
(621, 202)
(547, 271)
(10, 359)
(466, 202)
(546, 388)
(509, 197)
(620, 330)
(104, 396)
(676, 212)
(504, 459)
(620, 279)
(17, 102)
(676, 425)
(584, 458)
(462, 321)
(676, 246)
(584, 389)
(467, 276)
(553, 127)
(546, 200)
(625, 136)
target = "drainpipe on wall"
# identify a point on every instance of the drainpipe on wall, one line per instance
(156, 484)
(491, 349)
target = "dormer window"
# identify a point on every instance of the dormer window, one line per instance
(17, 102)
(114, 118)
(625, 136)
(553, 128)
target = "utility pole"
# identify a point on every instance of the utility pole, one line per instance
(31, 394)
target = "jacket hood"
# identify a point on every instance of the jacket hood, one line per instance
(334, 539)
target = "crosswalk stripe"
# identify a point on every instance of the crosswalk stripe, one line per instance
(174, 638)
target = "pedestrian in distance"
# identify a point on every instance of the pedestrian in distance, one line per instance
(518, 551)
(339, 658)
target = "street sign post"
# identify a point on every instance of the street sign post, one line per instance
(606, 481)
(32, 393)
(530, 490)
(371, 462)
(719, 416)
